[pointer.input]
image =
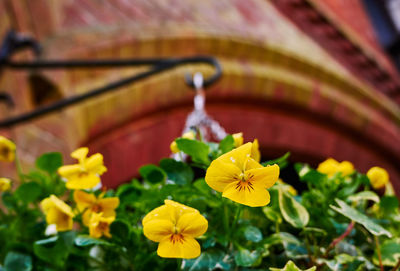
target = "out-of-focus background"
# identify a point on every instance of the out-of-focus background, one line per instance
(316, 78)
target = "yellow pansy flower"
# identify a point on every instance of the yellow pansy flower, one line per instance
(58, 213)
(7, 149)
(378, 177)
(89, 204)
(84, 175)
(240, 178)
(238, 138)
(346, 168)
(100, 225)
(189, 135)
(5, 184)
(330, 167)
(174, 226)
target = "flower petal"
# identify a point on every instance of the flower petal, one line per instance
(188, 248)
(69, 171)
(7, 149)
(237, 156)
(161, 212)
(255, 152)
(220, 174)
(83, 200)
(264, 176)
(83, 181)
(157, 229)
(95, 164)
(346, 168)
(251, 164)
(192, 224)
(176, 210)
(61, 205)
(80, 154)
(238, 139)
(256, 197)
(108, 206)
(329, 166)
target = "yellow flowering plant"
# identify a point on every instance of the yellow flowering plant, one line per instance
(222, 206)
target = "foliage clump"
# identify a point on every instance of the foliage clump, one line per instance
(335, 222)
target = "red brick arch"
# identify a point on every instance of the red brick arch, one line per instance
(279, 126)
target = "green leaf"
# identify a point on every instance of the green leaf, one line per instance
(364, 195)
(178, 172)
(55, 250)
(49, 162)
(28, 192)
(209, 260)
(227, 144)
(315, 231)
(196, 149)
(292, 211)
(283, 238)
(307, 174)
(9, 200)
(290, 266)
(202, 186)
(390, 252)
(253, 234)
(272, 215)
(389, 204)
(360, 218)
(281, 161)
(247, 258)
(16, 261)
(120, 230)
(86, 240)
(128, 193)
(153, 174)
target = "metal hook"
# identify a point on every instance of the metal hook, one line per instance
(14, 42)
(206, 82)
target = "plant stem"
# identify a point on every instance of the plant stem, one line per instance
(397, 266)
(340, 238)
(235, 220)
(237, 216)
(378, 251)
(226, 217)
(310, 256)
(19, 168)
(179, 264)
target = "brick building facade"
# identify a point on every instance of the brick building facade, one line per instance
(300, 75)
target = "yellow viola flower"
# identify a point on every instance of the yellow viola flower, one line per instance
(100, 225)
(240, 178)
(255, 151)
(89, 204)
(7, 150)
(58, 213)
(378, 177)
(5, 184)
(86, 174)
(330, 167)
(174, 226)
(189, 135)
(346, 168)
(238, 138)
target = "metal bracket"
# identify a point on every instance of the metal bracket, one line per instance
(15, 42)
